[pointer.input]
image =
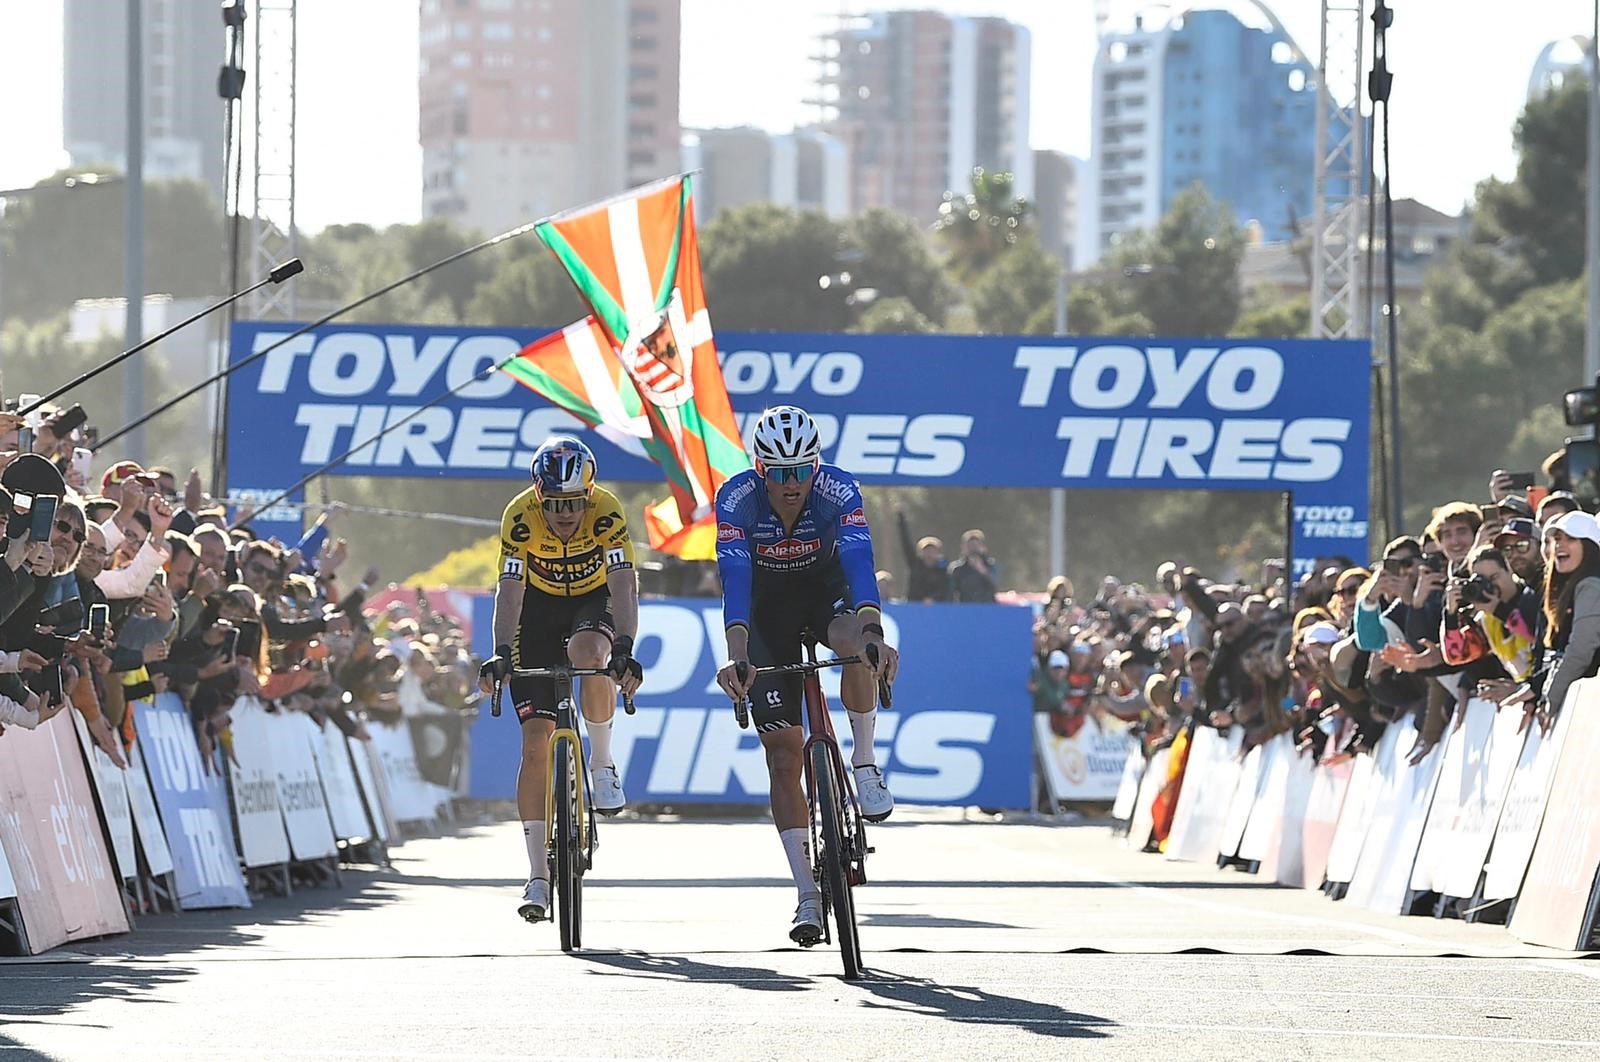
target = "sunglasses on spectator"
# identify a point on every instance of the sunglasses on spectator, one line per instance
(781, 474)
(261, 569)
(67, 529)
(1519, 546)
(564, 505)
(1350, 591)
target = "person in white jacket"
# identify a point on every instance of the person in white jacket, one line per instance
(134, 578)
(31, 714)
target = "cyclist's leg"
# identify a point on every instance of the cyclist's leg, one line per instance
(858, 689)
(537, 644)
(590, 646)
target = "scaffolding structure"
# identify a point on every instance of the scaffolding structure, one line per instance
(274, 236)
(1337, 308)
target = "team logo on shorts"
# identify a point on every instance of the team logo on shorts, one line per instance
(854, 518)
(728, 533)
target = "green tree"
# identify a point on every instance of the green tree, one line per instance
(763, 266)
(982, 223)
(1016, 294)
(894, 257)
(894, 314)
(59, 244)
(1186, 269)
(526, 288)
(1284, 319)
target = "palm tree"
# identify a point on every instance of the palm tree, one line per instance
(983, 223)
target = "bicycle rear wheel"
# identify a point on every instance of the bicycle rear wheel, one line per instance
(569, 874)
(836, 858)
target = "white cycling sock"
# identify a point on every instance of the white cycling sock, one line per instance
(600, 744)
(794, 846)
(538, 860)
(862, 726)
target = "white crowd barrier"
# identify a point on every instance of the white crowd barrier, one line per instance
(76, 830)
(1494, 812)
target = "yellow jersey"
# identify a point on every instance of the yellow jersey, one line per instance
(530, 551)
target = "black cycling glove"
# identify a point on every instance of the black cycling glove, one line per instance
(622, 661)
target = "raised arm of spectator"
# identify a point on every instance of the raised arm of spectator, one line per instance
(1582, 644)
(121, 583)
(282, 630)
(1194, 592)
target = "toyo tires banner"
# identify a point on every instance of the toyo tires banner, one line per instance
(934, 410)
(959, 732)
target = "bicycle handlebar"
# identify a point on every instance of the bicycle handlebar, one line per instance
(741, 706)
(550, 673)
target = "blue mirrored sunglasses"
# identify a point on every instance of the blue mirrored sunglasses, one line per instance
(781, 474)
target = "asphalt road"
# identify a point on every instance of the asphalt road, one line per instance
(984, 939)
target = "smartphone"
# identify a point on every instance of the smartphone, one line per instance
(91, 438)
(67, 421)
(1491, 512)
(25, 400)
(1520, 480)
(1184, 686)
(43, 517)
(99, 619)
(24, 440)
(81, 458)
(232, 643)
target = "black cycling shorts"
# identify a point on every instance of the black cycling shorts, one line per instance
(546, 624)
(779, 611)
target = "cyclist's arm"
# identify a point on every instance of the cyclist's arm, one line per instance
(622, 579)
(734, 567)
(508, 600)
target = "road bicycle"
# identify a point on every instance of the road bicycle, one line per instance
(839, 846)
(570, 834)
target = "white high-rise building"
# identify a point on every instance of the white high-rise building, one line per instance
(920, 99)
(806, 169)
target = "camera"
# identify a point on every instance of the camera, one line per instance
(1477, 590)
(1433, 562)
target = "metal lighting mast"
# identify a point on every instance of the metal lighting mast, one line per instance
(1336, 310)
(273, 235)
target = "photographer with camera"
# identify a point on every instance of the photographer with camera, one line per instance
(1493, 605)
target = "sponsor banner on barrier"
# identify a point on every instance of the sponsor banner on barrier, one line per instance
(338, 779)
(1272, 794)
(1556, 907)
(1128, 788)
(1090, 764)
(1143, 821)
(263, 840)
(1359, 809)
(415, 800)
(1252, 775)
(1383, 874)
(1473, 783)
(374, 791)
(113, 793)
(1152, 414)
(1206, 796)
(8, 883)
(959, 732)
(66, 888)
(146, 820)
(1518, 828)
(205, 862)
(1324, 805)
(305, 812)
(1283, 858)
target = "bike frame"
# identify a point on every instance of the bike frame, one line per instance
(819, 727)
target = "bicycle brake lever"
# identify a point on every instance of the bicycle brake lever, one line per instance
(741, 706)
(627, 704)
(494, 708)
(885, 698)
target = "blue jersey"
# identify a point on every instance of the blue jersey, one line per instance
(754, 547)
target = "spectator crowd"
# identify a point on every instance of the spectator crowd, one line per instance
(117, 588)
(1497, 600)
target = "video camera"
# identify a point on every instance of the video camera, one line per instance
(1581, 409)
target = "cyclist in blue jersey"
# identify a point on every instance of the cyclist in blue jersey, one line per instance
(794, 552)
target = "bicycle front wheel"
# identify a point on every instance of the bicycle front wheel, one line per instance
(836, 857)
(569, 874)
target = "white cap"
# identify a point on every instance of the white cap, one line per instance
(1058, 659)
(1575, 525)
(1323, 633)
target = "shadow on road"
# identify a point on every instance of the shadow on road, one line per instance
(678, 968)
(40, 993)
(918, 995)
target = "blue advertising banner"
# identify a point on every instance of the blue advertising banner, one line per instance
(935, 410)
(959, 732)
(194, 809)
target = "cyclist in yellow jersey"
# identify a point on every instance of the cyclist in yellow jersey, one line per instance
(567, 581)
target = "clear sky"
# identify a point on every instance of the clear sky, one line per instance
(1461, 73)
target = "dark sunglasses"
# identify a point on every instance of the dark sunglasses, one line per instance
(564, 505)
(67, 529)
(1349, 591)
(781, 474)
(1519, 546)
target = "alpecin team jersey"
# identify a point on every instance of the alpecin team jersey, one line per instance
(530, 551)
(755, 550)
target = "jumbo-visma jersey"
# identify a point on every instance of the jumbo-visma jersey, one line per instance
(753, 546)
(531, 551)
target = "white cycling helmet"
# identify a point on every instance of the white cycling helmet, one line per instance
(786, 435)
